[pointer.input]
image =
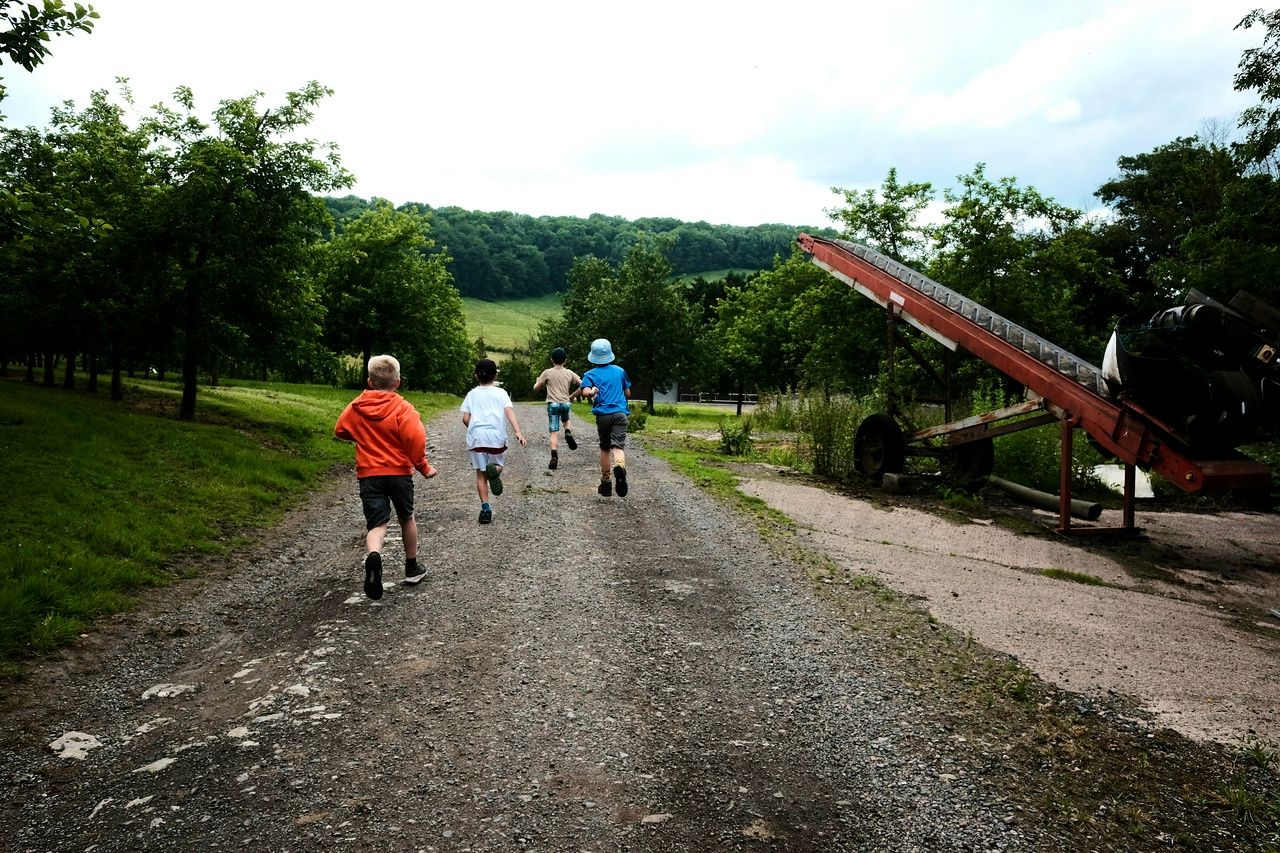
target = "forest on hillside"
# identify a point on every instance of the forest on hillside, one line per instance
(504, 255)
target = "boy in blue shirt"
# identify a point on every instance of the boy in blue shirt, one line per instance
(608, 389)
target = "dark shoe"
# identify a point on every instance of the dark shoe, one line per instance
(554, 460)
(569, 440)
(486, 516)
(373, 575)
(620, 474)
(605, 488)
(495, 478)
(413, 573)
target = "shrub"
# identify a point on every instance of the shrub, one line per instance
(735, 436)
(637, 416)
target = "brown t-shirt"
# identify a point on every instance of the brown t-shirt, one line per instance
(559, 381)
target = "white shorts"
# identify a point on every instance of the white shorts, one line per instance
(480, 461)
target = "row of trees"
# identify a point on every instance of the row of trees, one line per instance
(506, 255)
(173, 239)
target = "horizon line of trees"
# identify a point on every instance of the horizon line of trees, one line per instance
(504, 255)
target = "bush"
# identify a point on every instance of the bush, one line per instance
(831, 424)
(517, 377)
(636, 416)
(735, 436)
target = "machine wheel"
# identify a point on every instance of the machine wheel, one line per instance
(878, 447)
(967, 466)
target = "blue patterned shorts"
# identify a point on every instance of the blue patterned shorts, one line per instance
(555, 413)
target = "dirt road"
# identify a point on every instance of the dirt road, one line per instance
(639, 674)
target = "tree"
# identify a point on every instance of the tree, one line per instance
(241, 214)
(1259, 69)
(638, 307)
(383, 292)
(28, 28)
(888, 221)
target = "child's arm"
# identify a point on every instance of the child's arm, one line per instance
(466, 419)
(515, 425)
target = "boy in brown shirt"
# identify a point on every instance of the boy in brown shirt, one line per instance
(560, 382)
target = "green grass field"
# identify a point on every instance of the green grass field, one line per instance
(508, 325)
(103, 499)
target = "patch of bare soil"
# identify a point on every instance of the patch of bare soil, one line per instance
(1180, 619)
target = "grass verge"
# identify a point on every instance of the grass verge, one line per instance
(104, 498)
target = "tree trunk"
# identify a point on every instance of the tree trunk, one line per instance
(92, 387)
(214, 369)
(31, 368)
(190, 357)
(117, 386)
(48, 381)
(69, 374)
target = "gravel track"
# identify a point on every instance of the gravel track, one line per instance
(585, 674)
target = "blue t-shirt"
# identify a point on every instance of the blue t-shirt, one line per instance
(612, 381)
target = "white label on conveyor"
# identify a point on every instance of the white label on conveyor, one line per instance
(898, 298)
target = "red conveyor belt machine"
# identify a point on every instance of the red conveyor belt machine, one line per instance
(1060, 386)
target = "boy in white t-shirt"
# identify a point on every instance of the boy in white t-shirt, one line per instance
(485, 413)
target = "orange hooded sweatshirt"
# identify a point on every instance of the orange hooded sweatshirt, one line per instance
(388, 432)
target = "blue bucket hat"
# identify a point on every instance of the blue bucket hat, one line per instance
(601, 351)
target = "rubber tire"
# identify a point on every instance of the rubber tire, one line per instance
(879, 447)
(967, 466)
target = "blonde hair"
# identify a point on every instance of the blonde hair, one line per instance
(384, 372)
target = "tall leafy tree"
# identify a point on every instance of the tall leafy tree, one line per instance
(888, 219)
(24, 39)
(385, 292)
(241, 212)
(1259, 70)
(638, 307)
(1158, 200)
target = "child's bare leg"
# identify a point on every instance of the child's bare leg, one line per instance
(374, 539)
(619, 457)
(555, 441)
(409, 532)
(605, 469)
(482, 486)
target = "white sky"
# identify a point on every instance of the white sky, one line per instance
(731, 112)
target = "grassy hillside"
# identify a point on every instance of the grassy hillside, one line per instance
(508, 325)
(714, 275)
(105, 498)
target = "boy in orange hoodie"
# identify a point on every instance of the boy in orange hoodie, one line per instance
(391, 444)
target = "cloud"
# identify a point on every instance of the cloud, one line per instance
(730, 112)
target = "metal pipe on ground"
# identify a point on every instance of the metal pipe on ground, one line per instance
(1079, 509)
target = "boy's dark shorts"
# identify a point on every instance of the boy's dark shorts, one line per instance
(612, 429)
(379, 494)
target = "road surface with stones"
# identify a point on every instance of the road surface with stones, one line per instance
(585, 674)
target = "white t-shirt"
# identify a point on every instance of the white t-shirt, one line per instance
(487, 405)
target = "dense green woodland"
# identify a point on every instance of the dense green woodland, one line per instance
(511, 255)
(208, 245)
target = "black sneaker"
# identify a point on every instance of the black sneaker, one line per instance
(605, 488)
(620, 474)
(554, 460)
(495, 478)
(373, 575)
(413, 573)
(486, 516)
(569, 440)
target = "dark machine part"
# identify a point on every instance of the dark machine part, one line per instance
(1207, 369)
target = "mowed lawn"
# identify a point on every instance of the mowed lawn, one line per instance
(103, 499)
(508, 325)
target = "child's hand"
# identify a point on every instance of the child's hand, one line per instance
(430, 472)
(520, 437)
